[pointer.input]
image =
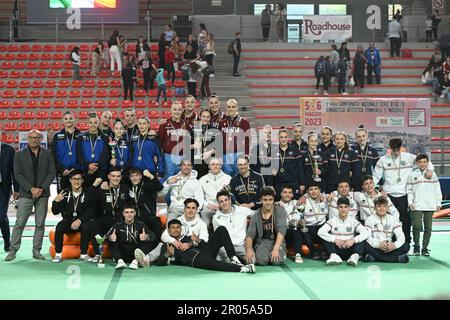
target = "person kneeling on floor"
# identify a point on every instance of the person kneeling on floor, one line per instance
(380, 245)
(130, 240)
(340, 236)
(201, 254)
(76, 205)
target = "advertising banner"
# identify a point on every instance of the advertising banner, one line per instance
(337, 28)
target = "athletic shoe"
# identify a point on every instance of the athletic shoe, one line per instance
(95, 259)
(249, 268)
(316, 93)
(38, 256)
(11, 256)
(345, 93)
(369, 258)
(298, 258)
(121, 264)
(235, 260)
(83, 257)
(57, 259)
(425, 252)
(142, 258)
(333, 260)
(353, 260)
(416, 250)
(403, 258)
(134, 265)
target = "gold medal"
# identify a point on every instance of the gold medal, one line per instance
(139, 158)
(282, 170)
(363, 169)
(92, 155)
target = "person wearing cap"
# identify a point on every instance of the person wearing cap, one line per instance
(367, 155)
(93, 153)
(64, 150)
(298, 141)
(343, 236)
(77, 207)
(34, 170)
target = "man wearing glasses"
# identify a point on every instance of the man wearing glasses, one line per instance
(34, 170)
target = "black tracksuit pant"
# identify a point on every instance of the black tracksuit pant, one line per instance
(64, 227)
(154, 224)
(345, 253)
(206, 259)
(381, 256)
(401, 203)
(125, 251)
(310, 238)
(100, 226)
(4, 221)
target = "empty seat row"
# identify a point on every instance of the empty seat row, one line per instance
(54, 73)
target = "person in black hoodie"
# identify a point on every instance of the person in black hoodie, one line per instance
(111, 198)
(130, 239)
(128, 78)
(76, 205)
(143, 193)
(197, 253)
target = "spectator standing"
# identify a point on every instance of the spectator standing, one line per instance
(237, 48)
(334, 60)
(373, 63)
(210, 52)
(344, 52)
(194, 75)
(321, 72)
(141, 49)
(75, 58)
(359, 66)
(105, 55)
(114, 53)
(169, 34)
(429, 28)
(444, 44)
(96, 59)
(169, 58)
(193, 43)
(148, 71)
(202, 39)
(265, 21)
(280, 19)
(123, 51)
(161, 84)
(395, 38)
(162, 50)
(436, 19)
(128, 78)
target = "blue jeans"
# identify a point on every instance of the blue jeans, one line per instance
(162, 87)
(229, 163)
(171, 165)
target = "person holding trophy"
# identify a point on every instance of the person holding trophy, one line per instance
(120, 150)
(314, 162)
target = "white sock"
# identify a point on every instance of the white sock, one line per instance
(58, 255)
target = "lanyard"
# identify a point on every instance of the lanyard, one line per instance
(180, 187)
(93, 145)
(397, 167)
(118, 149)
(311, 203)
(141, 145)
(114, 196)
(338, 161)
(247, 188)
(70, 141)
(364, 157)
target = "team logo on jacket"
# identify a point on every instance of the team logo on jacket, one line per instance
(290, 153)
(415, 179)
(61, 135)
(370, 153)
(402, 163)
(389, 164)
(345, 156)
(348, 229)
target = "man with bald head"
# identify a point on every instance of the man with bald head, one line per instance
(34, 170)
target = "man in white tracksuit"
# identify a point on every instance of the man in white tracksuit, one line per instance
(343, 190)
(340, 236)
(382, 227)
(424, 198)
(396, 168)
(234, 219)
(182, 186)
(365, 200)
(212, 183)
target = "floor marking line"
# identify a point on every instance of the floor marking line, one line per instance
(442, 263)
(111, 291)
(299, 282)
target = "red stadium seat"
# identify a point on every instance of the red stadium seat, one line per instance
(35, 94)
(103, 74)
(48, 94)
(74, 94)
(167, 104)
(115, 84)
(12, 126)
(60, 48)
(83, 115)
(56, 65)
(140, 84)
(31, 65)
(49, 48)
(140, 103)
(89, 83)
(86, 104)
(67, 65)
(31, 104)
(52, 73)
(114, 93)
(88, 93)
(82, 126)
(72, 104)
(58, 56)
(18, 104)
(24, 84)
(45, 104)
(131, 47)
(152, 104)
(166, 114)
(3, 115)
(63, 83)
(83, 65)
(2, 48)
(55, 126)
(102, 83)
(2, 84)
(99, 104)
(101, 93)
(70, 47)
(15, 74)
(38, 84)
(58, 104)
(22, 56)
(62, 94)
(8, 94)
(56, 115)
(46, 56)
(6, 65)
(21, 94)
(28, 115)
(39, 126)
(12, 48)
(9, 56)
(14, 115)
(153, 114)
(50, 84)
(154, 47)
(113, 103)
(4, 104)
(154, 126)
(66, 74)
(140, 93)
(19, 65)
(84, 47)
(34, 56)
(44, 65)
(179, 84)
(140, 114)
(11, 84)
(28, 74)
(170, 93)
(25, 126)
(3, 74)
(24, 48)
(116, 74)
(127, 104)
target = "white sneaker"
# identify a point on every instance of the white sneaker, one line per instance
(334, 259)
(134, 265)
(298, 258)
(121, 264)
(316, 93)
(83, 257)
(345, 93)
(325, 93)
(353, 260)
(235, 260)
(95, 259)
(57, 258)
(142, 258)
(249, 268)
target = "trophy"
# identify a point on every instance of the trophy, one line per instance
(198, 141)
(302, 222)
(112, 144)
(315, 164)
(100, 241)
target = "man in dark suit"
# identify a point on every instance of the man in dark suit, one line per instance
(34, 170)
(7, 180)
